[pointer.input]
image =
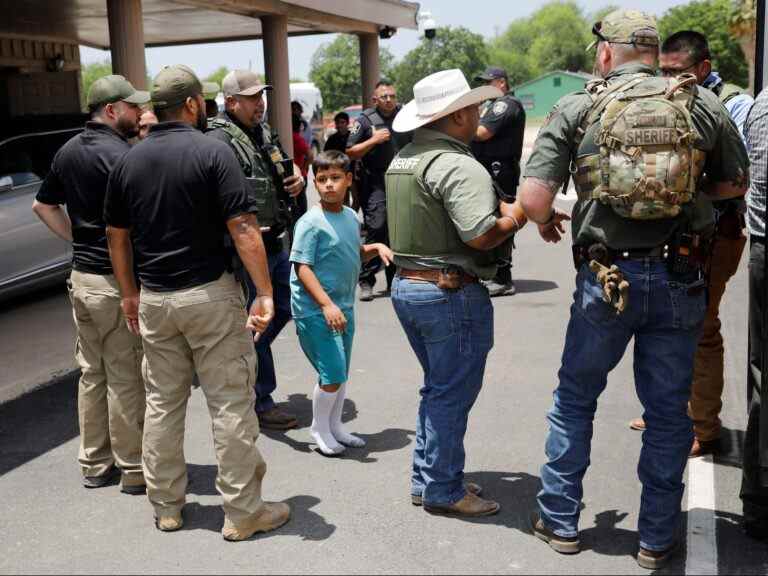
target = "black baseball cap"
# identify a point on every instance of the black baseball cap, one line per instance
(492, 73)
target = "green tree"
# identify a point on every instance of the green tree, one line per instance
(451, 48)
(89, 74)
(217, 75)
(711, 18)
(539, 44)
(335, 69)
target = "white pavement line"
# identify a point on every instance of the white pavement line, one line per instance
(701, 557)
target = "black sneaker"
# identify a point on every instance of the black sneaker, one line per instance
(366, 293)
(655, 559)
(106, 479)
(557, 543)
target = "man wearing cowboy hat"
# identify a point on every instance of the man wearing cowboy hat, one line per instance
(445, 221)
(638, 209)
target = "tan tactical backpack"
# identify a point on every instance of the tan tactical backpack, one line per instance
(647, 167)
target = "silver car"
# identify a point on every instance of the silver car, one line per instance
(31, 256)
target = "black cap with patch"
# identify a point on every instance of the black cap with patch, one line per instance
(492, 73)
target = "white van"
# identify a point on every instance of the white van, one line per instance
(312, 102)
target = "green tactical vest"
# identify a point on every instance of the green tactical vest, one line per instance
(257, 173)
(419, 225)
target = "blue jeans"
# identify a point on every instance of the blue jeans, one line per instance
(451, 334)
(266, 380)
(664, 315)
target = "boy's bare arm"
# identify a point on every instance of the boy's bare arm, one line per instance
(334, 317)
(371, 251)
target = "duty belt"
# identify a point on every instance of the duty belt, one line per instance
(433, 276)
(657, 254)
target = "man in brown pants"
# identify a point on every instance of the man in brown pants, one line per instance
(111, 392)
(167, 206)
(687, 51)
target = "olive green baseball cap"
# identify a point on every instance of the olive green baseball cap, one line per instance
(114, 88)
(210, 90)
(626, 27)
(173, 85)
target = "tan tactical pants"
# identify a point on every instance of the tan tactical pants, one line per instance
(708, 379)
(201, 330)
(110, 400)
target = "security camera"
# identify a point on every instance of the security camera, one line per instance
(427, 25)
(386, 32)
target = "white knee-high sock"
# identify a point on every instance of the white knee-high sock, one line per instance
(338, 429)
(322, 408)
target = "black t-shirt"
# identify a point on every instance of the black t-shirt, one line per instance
(175, 191)
(78, 179)
(337, 141)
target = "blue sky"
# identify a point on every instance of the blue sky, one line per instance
(488, 17)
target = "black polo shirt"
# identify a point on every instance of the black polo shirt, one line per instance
(78, 179)
(175, 191)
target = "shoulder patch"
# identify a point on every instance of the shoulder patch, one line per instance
(355, 128)
(551, 116)
(500, 107)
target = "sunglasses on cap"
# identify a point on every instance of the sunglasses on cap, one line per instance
(596, 30)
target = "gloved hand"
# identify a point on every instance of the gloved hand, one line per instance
(615, 287)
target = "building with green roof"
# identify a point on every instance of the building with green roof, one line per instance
(540, 94)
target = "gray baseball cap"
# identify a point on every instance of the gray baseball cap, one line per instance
(243, 83)
(173, 85)
(114, 88)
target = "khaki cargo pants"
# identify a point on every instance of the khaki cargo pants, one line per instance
(110, 399)
(200, 330)
(708, 370)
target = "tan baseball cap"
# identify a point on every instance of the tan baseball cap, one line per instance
(114, 88)
(242, 83)
(626, 27)
(173, 85)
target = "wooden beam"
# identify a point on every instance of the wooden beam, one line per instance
(297, 15)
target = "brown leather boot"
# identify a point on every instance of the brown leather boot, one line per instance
(655, 559)
(276, 419)
(703, 447)
(559, 544)
(470, 506)
(273, 515)
(470, 487)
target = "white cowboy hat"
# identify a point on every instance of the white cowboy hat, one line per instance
(438, 95)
